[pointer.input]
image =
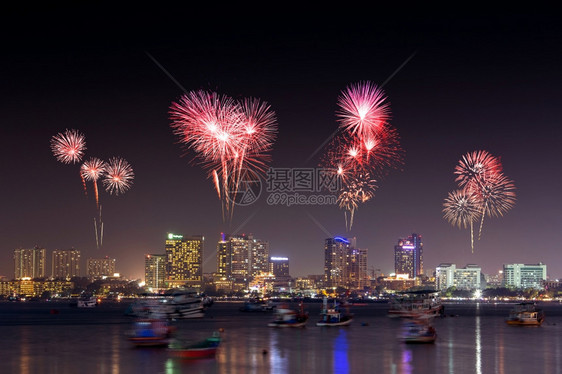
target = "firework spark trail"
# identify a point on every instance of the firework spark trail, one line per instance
(485, 191)
(118, 176)
(68, 147)
(358, 189)
(228, 137)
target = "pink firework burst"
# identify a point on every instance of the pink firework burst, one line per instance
(92, 170)
(68, 147)
(118, 177)
(362, 109)
(226, 136)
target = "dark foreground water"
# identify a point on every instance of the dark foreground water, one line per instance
(473, 338)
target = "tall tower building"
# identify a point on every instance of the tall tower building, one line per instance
(65, 263)
(100, 267)
(344, 264)
(335, 261)
(184, 261)
(357, 265)
(155, 271)
(241, 258)
(408, 256)
(29, 263)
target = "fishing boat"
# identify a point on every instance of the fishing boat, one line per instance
(286, 317)
(177, 304)
(206, 348)
(150, 333)
(417, 331)
(257, 305)
(415, 304)
(333, 316)
(84, 302)
(525, 314)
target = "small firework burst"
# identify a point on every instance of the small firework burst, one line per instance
(68, 147)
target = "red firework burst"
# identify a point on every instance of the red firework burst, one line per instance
(68, 147)
(118, 177)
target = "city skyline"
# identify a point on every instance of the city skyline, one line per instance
(456, 83)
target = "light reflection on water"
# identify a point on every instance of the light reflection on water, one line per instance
(476, 340)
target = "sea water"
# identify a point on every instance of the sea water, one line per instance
(51, 337)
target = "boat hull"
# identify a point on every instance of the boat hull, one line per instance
(285, 324)
(195, 353)
(340, 323)
(150, 342)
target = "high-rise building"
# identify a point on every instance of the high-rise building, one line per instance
(445, 276)
(241, 258)
(335, 261)
(408, 256)
(100, 267)
(29, 263)
(65, 263)
(357, 274)
(279, 267)
(344, 264)
(524, 276)
(184, 261)
(155, 271)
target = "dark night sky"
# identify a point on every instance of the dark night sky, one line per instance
(474, 82)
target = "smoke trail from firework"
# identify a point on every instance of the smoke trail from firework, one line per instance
(92, 170)
(68, 147)
(226, 136)
(118, 177)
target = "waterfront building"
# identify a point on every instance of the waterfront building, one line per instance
(408, 256)
(65, 263)
(100, 267)
(29, 263)
(240, 258)
(467, 278)
(155, 271)
(345, 265)
(184, 261)
(445, 276)
(279, 267)
(523, 276)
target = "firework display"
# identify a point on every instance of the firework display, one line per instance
(68, 147)
(484, 191)
(229, 138)
(117, 175)
(365, 148)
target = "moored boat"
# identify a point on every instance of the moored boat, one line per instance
(84, 302)
(257, 305)
(177, 304)
(150, 333)
(286, 317)
(333, 316)
(417, 331)
(525, 314)
(415, 304)
(206, 348)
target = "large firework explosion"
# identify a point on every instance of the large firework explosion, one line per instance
(229, 138)
(367, 146)
(483, 191)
